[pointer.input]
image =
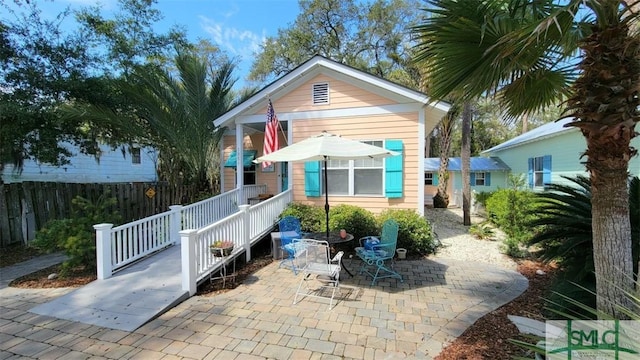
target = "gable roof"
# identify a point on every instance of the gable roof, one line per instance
(477, 164)
(317, 65)
(542, 132)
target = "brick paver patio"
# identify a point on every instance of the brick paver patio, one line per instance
(436, 302)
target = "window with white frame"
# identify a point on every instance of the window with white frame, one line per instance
(361, 177)
(135, 156)
(480, 179)
(428, 178)
(538, 171)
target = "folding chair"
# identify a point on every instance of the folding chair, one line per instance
(378, 254)
(290, 233)
(320, 273)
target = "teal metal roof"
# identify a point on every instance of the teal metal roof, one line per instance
(544, 131)
(477, 164)
(247, 158)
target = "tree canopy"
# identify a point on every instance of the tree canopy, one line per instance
(42, 67)
(372, 36)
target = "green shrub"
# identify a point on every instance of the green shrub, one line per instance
(482, 231)
(511, 210)
(76, 236)
(514, 246)
(312, 218)
(356, 220)
(414, 231)
(482, 196)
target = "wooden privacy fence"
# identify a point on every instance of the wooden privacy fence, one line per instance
(26, 207)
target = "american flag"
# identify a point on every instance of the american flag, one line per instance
(270, 134)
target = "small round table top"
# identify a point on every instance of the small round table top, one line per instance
(334, 237)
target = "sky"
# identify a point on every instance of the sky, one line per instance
(239, 27)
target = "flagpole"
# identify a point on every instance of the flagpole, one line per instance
(282, 131)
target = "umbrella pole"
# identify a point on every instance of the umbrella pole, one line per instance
(326, 196)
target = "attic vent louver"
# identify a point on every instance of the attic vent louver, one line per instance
(320, 93)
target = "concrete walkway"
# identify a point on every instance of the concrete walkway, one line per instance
(437, 301)
(10, 273)
(127, 300)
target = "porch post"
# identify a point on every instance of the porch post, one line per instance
(103, 250)
(239, 163)
(175, 223)
(289, 164)
(246, 230)
(422, 153)
(188, 259)
(221, 170)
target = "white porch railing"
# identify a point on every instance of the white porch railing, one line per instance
(122, 245)
(250, 191)
(243, 228)
(207, 211)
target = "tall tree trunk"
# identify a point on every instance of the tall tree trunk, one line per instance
(427, 145)
(611, 239)
(605, 105)
(525, 123)
(465, 155)
(446, 126)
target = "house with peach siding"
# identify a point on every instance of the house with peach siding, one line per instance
(323, 95)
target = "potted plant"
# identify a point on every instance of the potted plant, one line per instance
(221, 248)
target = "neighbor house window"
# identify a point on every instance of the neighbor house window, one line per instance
(538, 171)
(320, 94)
(356, 177)
(135, 156)
(428, 178)
(479, 181)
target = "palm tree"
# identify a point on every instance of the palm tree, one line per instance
(174, 113)
(562, 219)
(445, 128)
(526, 52)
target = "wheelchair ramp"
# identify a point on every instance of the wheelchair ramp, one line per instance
(129, 299)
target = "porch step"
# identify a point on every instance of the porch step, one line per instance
(129, 299)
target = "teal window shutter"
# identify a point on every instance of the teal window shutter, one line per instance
(393, 170)
(546, 170)
(472, 179)
(487, 179)
(312, 178)
(530, 172)
(435, 179)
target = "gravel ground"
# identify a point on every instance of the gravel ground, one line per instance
(459, 244)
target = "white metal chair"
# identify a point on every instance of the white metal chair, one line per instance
(320, 273)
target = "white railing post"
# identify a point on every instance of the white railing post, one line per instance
(103, 250)
(175, 223)
(188, 258)
(246, 231)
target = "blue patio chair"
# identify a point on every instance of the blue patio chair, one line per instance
(290, 233)
(377, 253)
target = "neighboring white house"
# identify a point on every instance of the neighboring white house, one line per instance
(134, 164)
(546, 153)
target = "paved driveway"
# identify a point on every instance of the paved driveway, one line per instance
(438, 300)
